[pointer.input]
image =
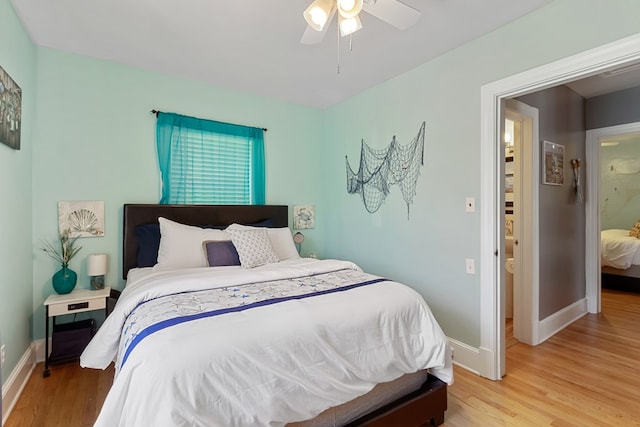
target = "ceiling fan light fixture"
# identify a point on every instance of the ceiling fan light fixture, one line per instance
(349, 8)
(349, 25)
(317, 14)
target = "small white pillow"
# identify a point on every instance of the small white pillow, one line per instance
(181, 245)
(281, 240)
(253, 246)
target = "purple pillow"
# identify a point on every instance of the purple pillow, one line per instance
(220, 253)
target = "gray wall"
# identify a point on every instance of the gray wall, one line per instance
(613, 109)
(562, 223)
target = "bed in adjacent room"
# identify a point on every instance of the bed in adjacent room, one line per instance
(225, 325)
(620, 259)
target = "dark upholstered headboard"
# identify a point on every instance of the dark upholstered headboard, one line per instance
(222, 215)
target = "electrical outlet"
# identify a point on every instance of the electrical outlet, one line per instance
(2, 356)
(470, 266)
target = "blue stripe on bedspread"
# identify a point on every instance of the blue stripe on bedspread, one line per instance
(182, 319)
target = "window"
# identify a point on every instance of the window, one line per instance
(209, 162)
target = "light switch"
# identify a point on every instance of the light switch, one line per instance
(470, 266)
(470, 205)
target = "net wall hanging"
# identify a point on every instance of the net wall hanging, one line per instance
(379, 169)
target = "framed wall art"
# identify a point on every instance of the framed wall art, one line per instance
(304, 217)
(552, 163)
(10, 111)
(81, 219)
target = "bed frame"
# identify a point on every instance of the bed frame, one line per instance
(621, 280)
(423, 407)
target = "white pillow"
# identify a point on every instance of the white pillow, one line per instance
(181, 245)
(281, 240)
(253, 246)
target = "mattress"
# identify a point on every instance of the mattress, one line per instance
(272, 345)
(618, 249)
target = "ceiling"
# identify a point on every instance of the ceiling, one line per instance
(254, 46)
(624, 77)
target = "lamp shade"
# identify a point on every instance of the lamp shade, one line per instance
(349, 8)
(97, 264)
(349, 25)
(317, 14)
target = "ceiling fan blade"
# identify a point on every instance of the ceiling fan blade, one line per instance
(393, 12)
(311, 36)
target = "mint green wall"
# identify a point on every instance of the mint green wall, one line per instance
(95, 140)
(428, 250)
(91, 137)
(620, 190)
(17, 57)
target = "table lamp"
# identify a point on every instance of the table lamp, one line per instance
(96, 269)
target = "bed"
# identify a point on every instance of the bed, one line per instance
(292, 341)
(620, 260)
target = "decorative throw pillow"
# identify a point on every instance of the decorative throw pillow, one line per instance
(181, 245)
(220, 253)
(253, 246)
(635, 231)
(281, 240)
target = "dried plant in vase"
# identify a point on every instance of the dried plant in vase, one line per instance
(64, 280)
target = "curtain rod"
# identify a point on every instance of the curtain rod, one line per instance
(156, 113)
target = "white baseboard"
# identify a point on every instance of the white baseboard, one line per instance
(16, 381)
(465, 356)
(550, 325)
(39, 349)
(471, 358)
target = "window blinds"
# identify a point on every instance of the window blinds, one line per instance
(207, 162)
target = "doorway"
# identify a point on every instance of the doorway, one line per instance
(493, 96)
(593, 220)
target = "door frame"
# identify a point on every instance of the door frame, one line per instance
(492, 96)
(592, 204)
(526, 295)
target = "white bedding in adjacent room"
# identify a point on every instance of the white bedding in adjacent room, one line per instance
(290, 356)
(618, 249)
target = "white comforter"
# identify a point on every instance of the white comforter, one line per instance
(264, 366)
(618, 249)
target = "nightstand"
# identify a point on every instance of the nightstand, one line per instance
(78, 301)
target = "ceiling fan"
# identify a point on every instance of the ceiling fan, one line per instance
(320, 13)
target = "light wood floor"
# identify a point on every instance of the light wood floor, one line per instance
(509, 339)
(586, 375)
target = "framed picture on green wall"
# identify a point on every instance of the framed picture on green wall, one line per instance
(10, 110)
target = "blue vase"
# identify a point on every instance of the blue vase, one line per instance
(64, 280)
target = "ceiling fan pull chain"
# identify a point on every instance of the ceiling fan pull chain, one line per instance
(350, 43)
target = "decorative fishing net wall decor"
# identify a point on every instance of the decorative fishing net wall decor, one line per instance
(379, 169)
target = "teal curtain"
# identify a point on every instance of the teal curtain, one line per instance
(209, 162)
